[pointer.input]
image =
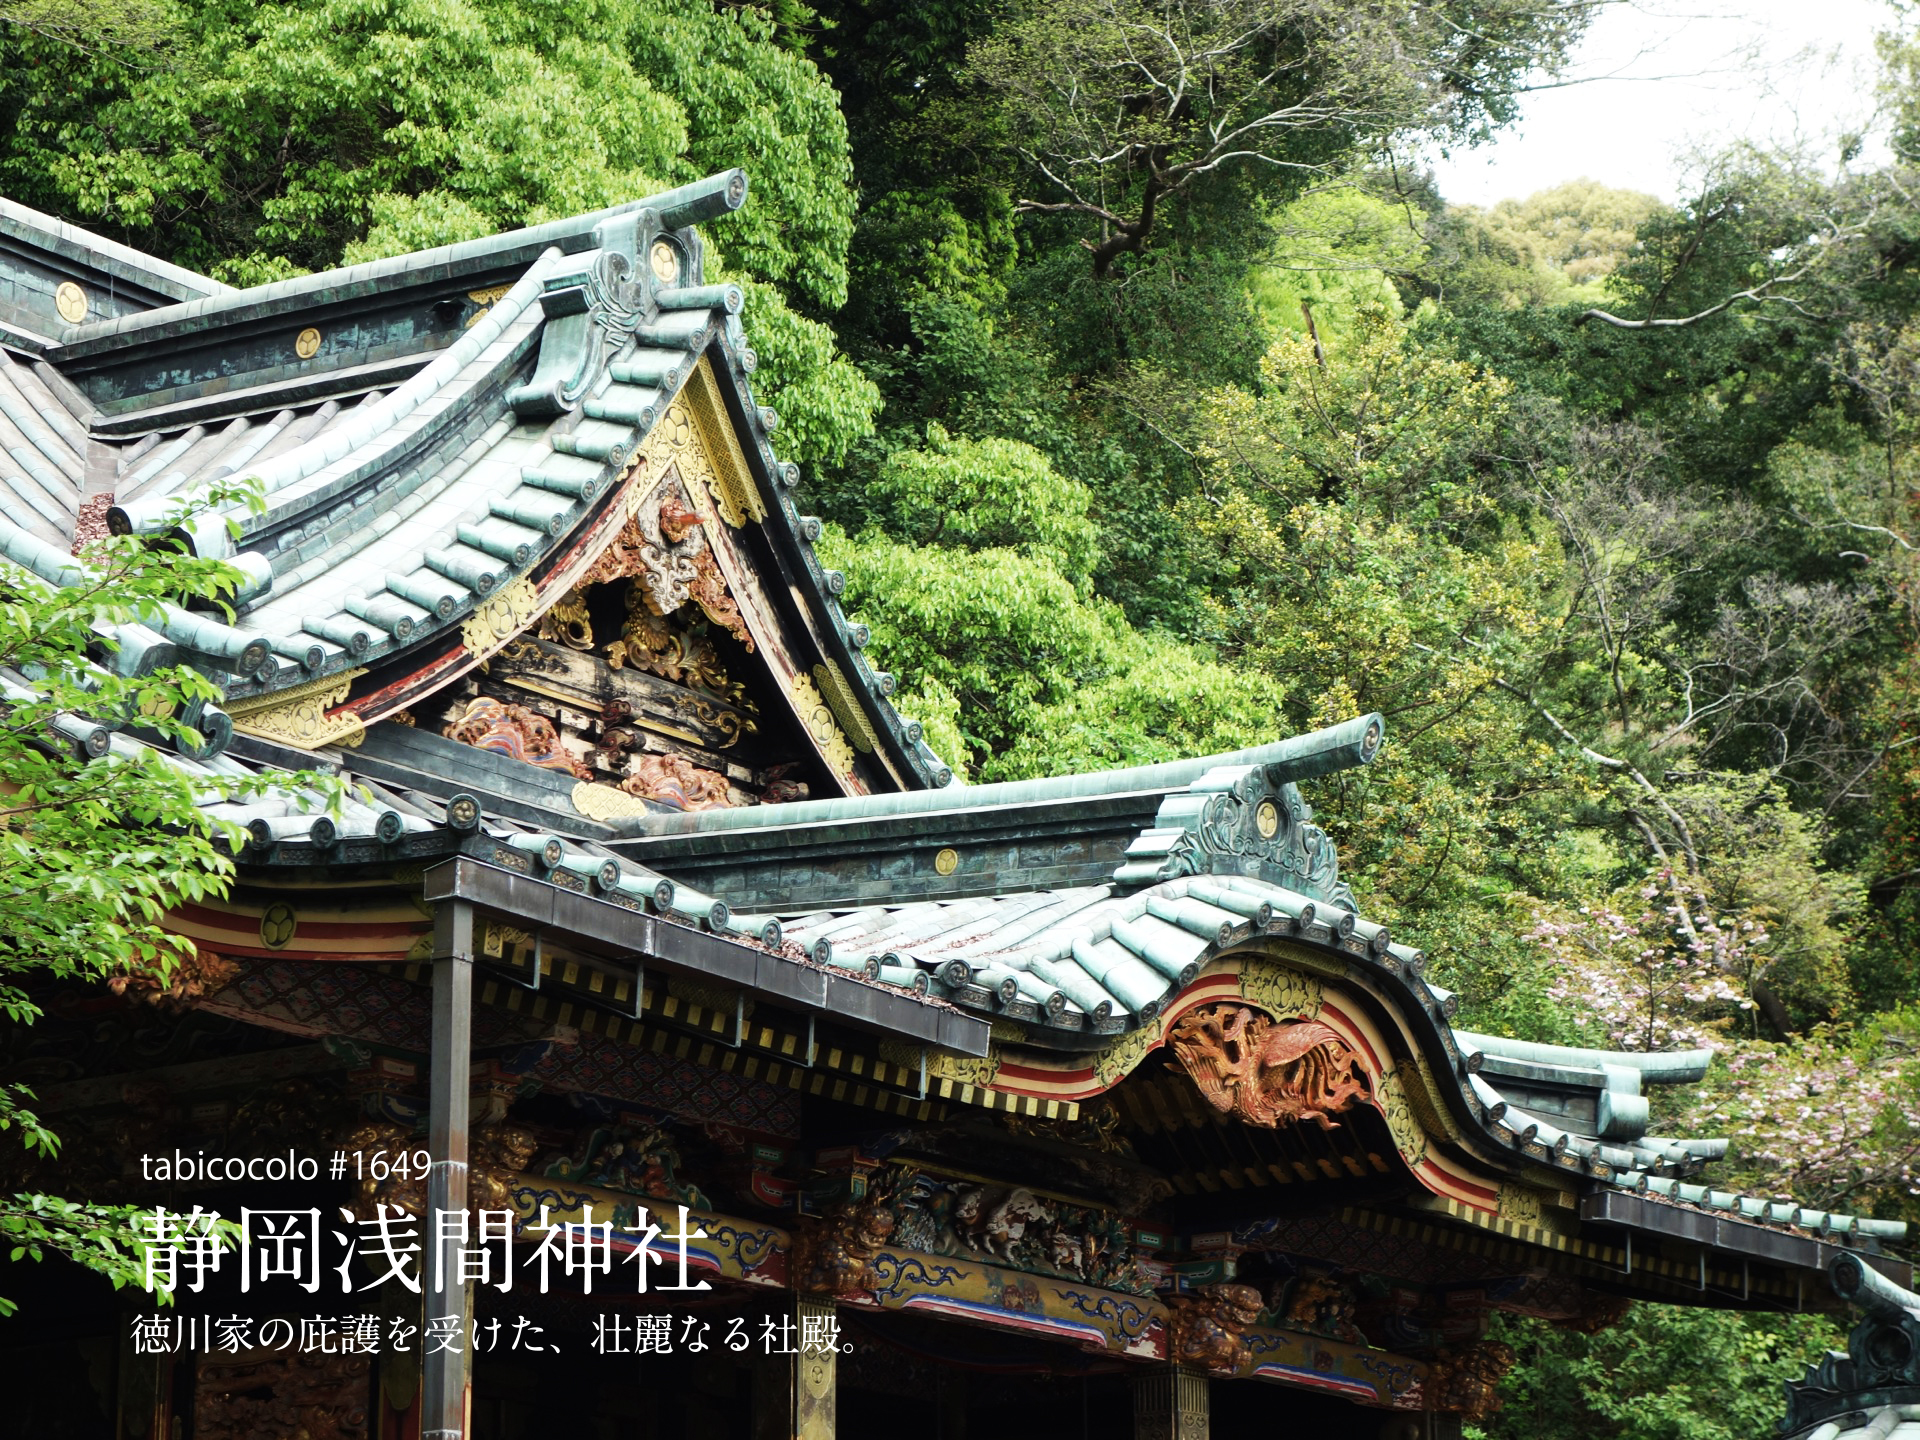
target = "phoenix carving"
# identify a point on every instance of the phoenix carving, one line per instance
(1266, 1072)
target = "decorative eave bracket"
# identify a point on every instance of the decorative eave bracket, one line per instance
(643, 280)
(1251, 820)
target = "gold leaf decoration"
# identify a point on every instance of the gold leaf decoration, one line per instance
(817, 716)
(846, 709)
(1520, 1204)
(607, 804)
(298, 716)
(486, 299)
(1285, 994)
(734, 493)
(963, 1069)
(500, 939)
(1390, 1095)
(696, 435)
(942, 1064)
(500, 617)
(1118, 1060)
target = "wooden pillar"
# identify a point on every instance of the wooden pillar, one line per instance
(950, 1403)
(1170, 1403)
(443, 1378)
(794, 1393)
(815, 1373)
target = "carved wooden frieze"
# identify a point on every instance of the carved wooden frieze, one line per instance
(280, 1392)
(620, 696)
(1265, 1072)
(487, 724)
(1207, 1329)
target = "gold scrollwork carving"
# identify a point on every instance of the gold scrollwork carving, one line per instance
(695, 435)
(846, 708)
(1396, 1108)
(943, 1064)
(298, 716)
(1520, 1204)
(500, 617)
(1118, 1060)
(1283, 993)
(818, 717)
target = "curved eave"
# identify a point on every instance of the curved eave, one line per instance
(788, 537)
(1033, 963)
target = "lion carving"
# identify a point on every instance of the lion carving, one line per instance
(835, 1254)
(1206, 1328)
(1269, 1073)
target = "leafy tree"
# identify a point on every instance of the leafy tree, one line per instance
(1123, 109)
(291, 137)
(1552, 248)
(99, 836)
(1336, 255)
(1664, 1373)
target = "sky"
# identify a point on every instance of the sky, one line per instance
(1662, 77)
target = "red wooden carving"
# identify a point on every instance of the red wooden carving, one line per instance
(1266, 1072)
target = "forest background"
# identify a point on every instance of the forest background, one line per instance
(1156, 405)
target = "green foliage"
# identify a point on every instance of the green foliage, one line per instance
(1639, 604)
(1556, 247)
(1121, 109)
(1336, 254)
(1663, 1373)
(94, 852)
(291, 137)
(1039, 677)
(982, 494)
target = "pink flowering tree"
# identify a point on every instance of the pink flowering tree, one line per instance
(1832, 1120)
(1653, 967)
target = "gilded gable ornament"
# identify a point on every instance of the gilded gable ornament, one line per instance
(1280, 991)
(660, 560)
(298, 716)
(663, 550)
(846, 709)
(500, 617)
(819, 720)
(1396, 1107)
(607, 803)
(696, 436)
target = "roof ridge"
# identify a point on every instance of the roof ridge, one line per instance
(682, 206)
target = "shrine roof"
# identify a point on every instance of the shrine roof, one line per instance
(1871, 1390)
(440, 441)
(40, 254)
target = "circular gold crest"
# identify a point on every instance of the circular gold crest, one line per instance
(947, 861)
(307, 343)
(665, 263)
(1267, 819)
(277, 926)
(71, 301)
